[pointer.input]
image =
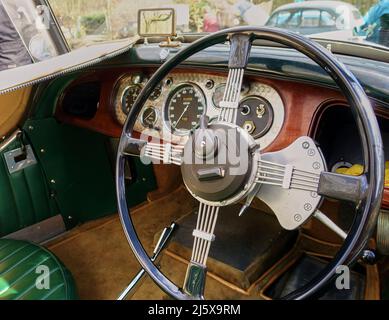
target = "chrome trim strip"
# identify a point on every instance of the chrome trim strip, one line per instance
(9, 140)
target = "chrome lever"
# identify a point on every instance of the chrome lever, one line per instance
(249, 200)
(160, 246)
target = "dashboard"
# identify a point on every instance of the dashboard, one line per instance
(276, 111)
(286, 95)
(175, 106)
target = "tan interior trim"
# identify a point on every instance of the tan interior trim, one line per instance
(13, 106)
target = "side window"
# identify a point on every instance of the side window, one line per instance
(295, 19)
(273, 20)
(285, 19)
(310, 18)
(327, 19)
(356, 14)
(282, 18)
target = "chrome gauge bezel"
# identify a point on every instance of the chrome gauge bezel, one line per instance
(160, 89)
(156, 117)
(269, 124)
(121, 87)
(254, 88)
(166, 114)
(217, 87)
(125, 91)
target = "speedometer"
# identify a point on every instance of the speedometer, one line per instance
(185, 106)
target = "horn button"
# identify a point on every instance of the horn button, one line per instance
(218, 163)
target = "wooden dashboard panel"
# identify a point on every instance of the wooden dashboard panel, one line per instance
(385, 198)
(303, 104)
(104, 121)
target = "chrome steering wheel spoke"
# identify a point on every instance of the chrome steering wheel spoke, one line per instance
(167, 153)
(320, 216)
(287, 176)
(299, 171)
(328, 184)
(288, 181)
(203, 237)
(239, 54)
(157, 152)
(230, 103)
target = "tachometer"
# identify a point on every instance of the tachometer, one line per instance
(185, 106)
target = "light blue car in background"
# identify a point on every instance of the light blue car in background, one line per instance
(317, 17)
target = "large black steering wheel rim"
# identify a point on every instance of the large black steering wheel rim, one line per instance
(367, 211)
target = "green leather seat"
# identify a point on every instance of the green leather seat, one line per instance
(21, 266)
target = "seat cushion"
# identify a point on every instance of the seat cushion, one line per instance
(31, 272)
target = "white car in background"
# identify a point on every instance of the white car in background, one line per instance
(323, 19)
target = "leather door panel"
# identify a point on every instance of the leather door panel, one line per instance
(24, 197)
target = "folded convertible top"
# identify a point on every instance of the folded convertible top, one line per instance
(32, 74)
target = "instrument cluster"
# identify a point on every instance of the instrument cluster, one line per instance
(176, 105)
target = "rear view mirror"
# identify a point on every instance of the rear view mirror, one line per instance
(156, 22)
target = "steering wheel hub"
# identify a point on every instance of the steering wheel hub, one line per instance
(206, 144)
(219, 163)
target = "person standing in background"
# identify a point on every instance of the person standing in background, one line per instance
(250, 14)
(210, 21)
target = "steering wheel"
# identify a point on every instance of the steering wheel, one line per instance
(292, 181)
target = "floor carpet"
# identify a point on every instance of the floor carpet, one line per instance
(102, 262)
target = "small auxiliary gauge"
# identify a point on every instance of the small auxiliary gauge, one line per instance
(218, 94)
(256, 116)
(149, 117)
(156, 93)
(130, 94)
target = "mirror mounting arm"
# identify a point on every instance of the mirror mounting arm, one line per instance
(169, 43)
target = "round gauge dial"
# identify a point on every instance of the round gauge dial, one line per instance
(129, 96)
(218, 95)
(185, 106)
(156, 93)
(255, 115)
(149, 117)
